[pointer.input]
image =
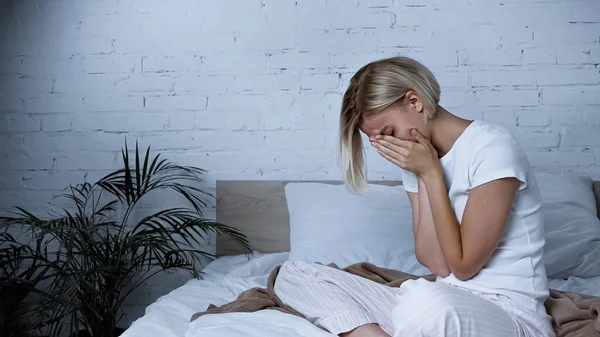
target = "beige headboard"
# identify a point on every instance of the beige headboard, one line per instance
(258, 208)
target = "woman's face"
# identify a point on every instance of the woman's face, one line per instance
(397, 120)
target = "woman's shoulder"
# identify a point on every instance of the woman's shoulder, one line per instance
(496, 153)
(494, 138)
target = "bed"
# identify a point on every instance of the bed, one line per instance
(263, 211)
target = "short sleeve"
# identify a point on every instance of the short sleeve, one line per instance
(496, 158)
(409, 181)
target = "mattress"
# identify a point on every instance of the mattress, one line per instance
(227, 277)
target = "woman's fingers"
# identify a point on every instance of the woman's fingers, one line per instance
(392, 156)
(383, 149)
(421, 139)
(390, 159)
(397, 145)
(406, 144)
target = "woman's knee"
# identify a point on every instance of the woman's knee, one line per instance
(290, 269)
(421, 305)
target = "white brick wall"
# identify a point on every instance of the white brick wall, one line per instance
(251, 89)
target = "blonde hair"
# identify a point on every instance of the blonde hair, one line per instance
(375, 87)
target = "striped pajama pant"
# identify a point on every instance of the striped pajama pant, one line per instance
(340, 302)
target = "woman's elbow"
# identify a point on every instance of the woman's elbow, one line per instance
(441, 270)
(464, 273)
(437, 266)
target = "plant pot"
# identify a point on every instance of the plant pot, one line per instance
(82, 333)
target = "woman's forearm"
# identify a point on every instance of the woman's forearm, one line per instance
(427, 247)
(446, 226)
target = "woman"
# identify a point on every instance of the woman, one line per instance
(476, 219)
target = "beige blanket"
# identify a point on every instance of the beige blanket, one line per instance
(574, 315)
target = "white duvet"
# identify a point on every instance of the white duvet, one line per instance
(225, 279)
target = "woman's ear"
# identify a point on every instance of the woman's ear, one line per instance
(414, 101)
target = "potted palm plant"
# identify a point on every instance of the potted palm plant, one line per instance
(24, 304)
(96, 253)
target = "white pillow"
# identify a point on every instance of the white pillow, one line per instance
(330, 224)
(569, 188)
(571, 225)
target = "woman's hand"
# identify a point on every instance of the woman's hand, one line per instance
(419, 157)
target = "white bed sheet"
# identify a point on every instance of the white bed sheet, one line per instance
(225, 279)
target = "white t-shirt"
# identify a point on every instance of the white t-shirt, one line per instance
(486, 152)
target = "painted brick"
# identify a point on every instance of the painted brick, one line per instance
(295, 140)
(44, 142)
(355, 60)
(504, 117)
(453, 79)
(23, 162)
(18, 122)
(120, 122)
(266, 83)
(11, 181)
(567, 35)
(113, 64)
(11, 144)
(582, 136)
(277, 121)
(434, 57)
(563, 116)
(84, 84)
(170, 103)
(205, 83)
(567, 76)
(537, 139)
(412, 17)
(533, 118)
(241, 121)
(208, 120)
(90, 45)
(10, 65)
(234, 61)
(311, 5)
(319, 82)
(492, 56)
(250, 102)
(44, 180)
(54, 103)
(145, 83)
(298, 60)
(539, 56)
(182, 120)
(11, 199)
(171, 64)
(338, 42)
(454, 99)
(592, 115)
(595, 55)
(571, 96)
(573, 56)
(401, 37)
(24, 86)
(562, 158)
(105, 141)
(351, 20)
(508, 97)
(267, 39)
(10, 104)
(503, 78)
(206, 141)
(57, 122)
(84, 161)
(101, 103)
(375, 3)
(44, 65)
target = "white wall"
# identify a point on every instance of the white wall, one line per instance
(251, 89)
